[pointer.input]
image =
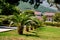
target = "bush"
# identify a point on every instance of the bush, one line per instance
(57, 17)
(5, 23)
(52, 24)
(1, 24)
(13, 25)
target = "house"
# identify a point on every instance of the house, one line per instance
(49, 16)
(38, 15)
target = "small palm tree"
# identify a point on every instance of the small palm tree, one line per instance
(37, 21)
(21, 20)
(30, 23)
(25, 18)
(34, 23)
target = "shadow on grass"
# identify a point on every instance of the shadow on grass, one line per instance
(33, 32)
(32, 35)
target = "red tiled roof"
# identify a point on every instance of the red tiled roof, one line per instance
(49, 14)
(37, 13)
(39, 17)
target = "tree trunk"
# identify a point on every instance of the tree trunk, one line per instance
(27, 29)
(35, 27)
(31, 28)
(20, 29)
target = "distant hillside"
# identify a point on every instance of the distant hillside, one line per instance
(26, 6)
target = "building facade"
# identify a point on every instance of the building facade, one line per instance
(49, 15)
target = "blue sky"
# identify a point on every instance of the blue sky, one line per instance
(45, 3)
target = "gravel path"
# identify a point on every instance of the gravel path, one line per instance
(4, 28)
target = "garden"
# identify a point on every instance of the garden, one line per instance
(28, 26)
(43, 33)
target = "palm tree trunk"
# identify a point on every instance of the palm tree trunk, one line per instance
(27, 29)
(20, 29)
(31, 28)
(35, 27)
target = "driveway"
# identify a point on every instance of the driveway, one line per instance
(4, 28)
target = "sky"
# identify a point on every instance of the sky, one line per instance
(46, 4)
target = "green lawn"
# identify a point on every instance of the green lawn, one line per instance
(43, 33)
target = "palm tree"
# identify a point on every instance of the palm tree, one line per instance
(34, 23)
(37, 21)
(30, 23)
(21, 20)
(25, 18)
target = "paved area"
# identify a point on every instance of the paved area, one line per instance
(4, 28)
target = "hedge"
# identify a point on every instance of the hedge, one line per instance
(53, 24)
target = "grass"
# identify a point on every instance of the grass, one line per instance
(43, 33)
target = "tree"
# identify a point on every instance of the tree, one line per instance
(7, 8)
(24, 19)
(12, 2)
(16, 2)
(57, 17)
(44, 18)
(8, 5)
(54, 2)
(20, 20)
(33, 23)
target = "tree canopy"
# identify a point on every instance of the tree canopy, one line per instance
(54, 2)
(57, 17)
(8, 6)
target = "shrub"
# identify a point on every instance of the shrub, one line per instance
(14, 25)
(57, 17)
(52, 24)
(5, 22)
(1, 24)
